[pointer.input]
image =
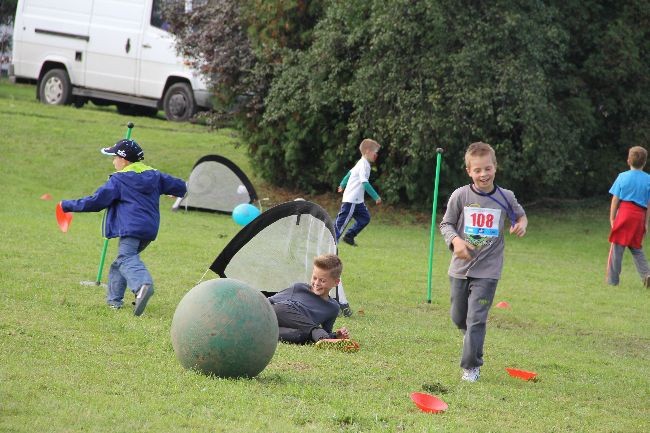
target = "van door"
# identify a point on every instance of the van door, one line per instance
(158, 56)
(114, 45)
(158, 59)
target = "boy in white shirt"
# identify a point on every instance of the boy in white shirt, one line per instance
(354, 186)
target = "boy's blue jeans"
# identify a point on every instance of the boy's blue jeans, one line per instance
(127, 270)
(471, 300)
(361, 216)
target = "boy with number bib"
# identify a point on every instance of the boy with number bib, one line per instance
(473, 229)
(628, 216)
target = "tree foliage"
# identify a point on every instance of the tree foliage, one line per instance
(7, 11)
(7, 14)
(558, 88)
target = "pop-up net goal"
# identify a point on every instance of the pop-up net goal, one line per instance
(278, 247)
(216, 184)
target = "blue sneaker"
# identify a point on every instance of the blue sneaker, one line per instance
(141, 298)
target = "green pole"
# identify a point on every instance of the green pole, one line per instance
(433, 220)
(102, 258)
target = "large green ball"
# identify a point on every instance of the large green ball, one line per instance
(223, 327)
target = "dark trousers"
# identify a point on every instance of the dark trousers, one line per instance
(295, 327)
(348, 211)
(471, 300)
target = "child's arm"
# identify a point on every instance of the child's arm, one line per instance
(171, 185)
(461, 248)
(613, 208)
(448, 228)
(100, 200)
(328, 325)
(647, 217)
(344, 181)
(371, 192)
(519, 228)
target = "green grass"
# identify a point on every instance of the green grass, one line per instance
(69, 364)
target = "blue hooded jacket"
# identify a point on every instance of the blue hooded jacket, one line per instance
(132, 197)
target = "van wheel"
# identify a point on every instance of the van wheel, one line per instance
(178, 102)
(54, 88)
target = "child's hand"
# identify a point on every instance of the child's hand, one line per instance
(462, 248)
(378, 201)
(519, 228)
(339, 189)
(342, 333)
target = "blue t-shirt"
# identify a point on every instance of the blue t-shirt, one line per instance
(634, 186)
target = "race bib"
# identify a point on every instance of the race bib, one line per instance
(481, 221)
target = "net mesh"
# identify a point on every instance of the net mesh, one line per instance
(215, 186)
(282, 252)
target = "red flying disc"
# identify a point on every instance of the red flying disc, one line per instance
(502, 304)
(63, 219)
(521, 374)
(428, 403)
(46, 196)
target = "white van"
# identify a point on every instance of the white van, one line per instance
(107, 52)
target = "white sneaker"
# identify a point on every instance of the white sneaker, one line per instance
(471, 374)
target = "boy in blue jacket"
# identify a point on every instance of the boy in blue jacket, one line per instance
(131, 197)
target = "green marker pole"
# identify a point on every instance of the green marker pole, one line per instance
(433, 220)
(102, 258)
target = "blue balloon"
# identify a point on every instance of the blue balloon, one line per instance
(244, 213)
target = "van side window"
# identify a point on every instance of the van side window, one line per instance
(157, 15)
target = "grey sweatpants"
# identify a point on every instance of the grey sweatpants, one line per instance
(615, 262)
(295, 327)
(471, 300)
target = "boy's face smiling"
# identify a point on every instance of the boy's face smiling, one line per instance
(322, 282)
(482, 170)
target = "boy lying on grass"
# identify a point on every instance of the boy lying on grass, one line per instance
(306, 313)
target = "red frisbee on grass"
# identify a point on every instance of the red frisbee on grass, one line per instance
(428, 403)
(46, 196)
(521, 374)
(502, 304)
(63, 219)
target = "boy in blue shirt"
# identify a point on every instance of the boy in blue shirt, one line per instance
(628, 217)
(305, 312)
(131, 196)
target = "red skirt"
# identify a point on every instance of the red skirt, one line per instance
(629, 225)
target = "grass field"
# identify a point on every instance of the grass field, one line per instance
(69, 364)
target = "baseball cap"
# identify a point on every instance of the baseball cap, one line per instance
(127, 149)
